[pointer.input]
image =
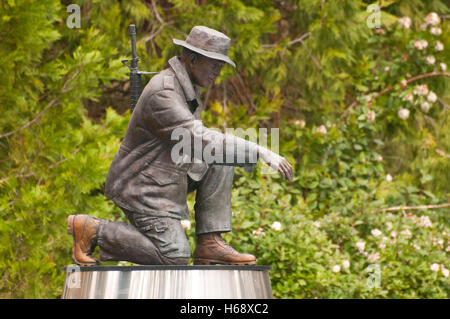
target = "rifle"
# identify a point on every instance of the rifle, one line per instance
(135, 74)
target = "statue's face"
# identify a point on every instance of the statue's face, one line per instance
(204, 70)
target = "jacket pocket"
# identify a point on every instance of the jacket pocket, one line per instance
(161, 176)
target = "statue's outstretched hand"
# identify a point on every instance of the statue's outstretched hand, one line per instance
(277, 162)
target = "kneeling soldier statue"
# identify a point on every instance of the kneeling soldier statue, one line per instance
(150, 185)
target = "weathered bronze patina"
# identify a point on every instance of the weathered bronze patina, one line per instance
(150, 186)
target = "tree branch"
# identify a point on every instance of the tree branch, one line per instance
(6, 179)
(299, 39)
(52, 103)
(413, 79)
(390, 87)
(411, 208)
(49, 105)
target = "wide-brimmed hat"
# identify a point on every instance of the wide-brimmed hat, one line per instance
(208, 42)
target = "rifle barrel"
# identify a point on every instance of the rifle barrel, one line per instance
(134, 59)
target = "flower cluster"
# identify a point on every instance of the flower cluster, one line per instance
(322, 129)
(405, 22)
(361, 245)
(276, 226)
(421, 94)
(376, 232)
(425, 222)
(432, 19)
(435, 267)
(258, 232)
(421, 44)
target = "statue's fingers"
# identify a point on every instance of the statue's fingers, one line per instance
(287, 168)
(291, 172)
(283, 172)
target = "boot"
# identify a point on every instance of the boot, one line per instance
(83, 228)
(212, 249)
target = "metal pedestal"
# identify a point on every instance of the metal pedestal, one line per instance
(167, 282)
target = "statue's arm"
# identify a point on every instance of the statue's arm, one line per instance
(167, 116)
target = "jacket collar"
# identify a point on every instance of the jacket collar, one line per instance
(183, 77)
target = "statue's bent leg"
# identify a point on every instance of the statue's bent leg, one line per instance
(213, 217)
(149, 241)
(213, 200)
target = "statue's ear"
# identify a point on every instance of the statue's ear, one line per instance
(193, 58)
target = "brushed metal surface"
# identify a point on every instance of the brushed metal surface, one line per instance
(167, 282)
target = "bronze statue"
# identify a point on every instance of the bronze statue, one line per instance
(150, 183)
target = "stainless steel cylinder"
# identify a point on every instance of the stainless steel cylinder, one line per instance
(167, 282)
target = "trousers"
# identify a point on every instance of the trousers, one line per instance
(151, 240)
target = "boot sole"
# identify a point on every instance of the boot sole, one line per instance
(203, 261)
(70, 227)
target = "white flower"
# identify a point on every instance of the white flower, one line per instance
(432, 18)
(258, 232)
(424, 221)
(436, 31)
(386, 69)
(434, 267)
(443, 66)
(322, 129)
(186, 224)
(389, 225)
(420, 44)
(444, 271)
(373, 257)
(393, 234)
(432, 97)
(371, 116)
(417, 247)
(447, 249)
(316, 224)
(346, 264)
(403, 83)
(430, 59)
(425, 106)
(376, 232)
(421, 89)
(336, 268)
(379, 158)
(361, 245)
(300, 123)
(439, 46)
(405, 22)
(406, 233)
(383, 241)
(276, 226)
(409, 97)
(403, 113)
(389, 178)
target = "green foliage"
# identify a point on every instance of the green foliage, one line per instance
(314, 69)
